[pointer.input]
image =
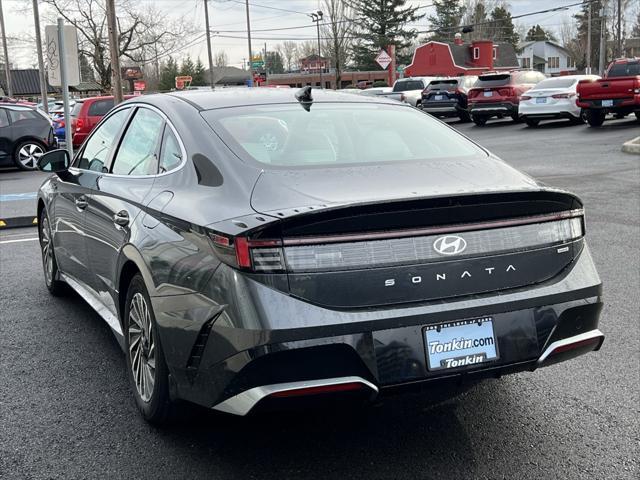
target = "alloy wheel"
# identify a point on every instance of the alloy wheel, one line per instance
(47, 250)
(29, 155)
(142, 350)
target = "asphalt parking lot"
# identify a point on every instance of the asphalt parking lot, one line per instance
(66, 410)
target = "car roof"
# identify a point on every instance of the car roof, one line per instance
(209, 100)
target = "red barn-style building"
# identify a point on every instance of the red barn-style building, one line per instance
(457, 58)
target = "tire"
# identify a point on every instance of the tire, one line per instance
(49, 264)
(27, 153)
(464, 117)
(531, 122)
(637, 115)
(515, 118)
(479, 120)
(595, 117)
(581, 119)
(146, 367)
(620, 116)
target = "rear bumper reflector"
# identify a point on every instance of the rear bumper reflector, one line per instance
(584, 341)
(242, 403)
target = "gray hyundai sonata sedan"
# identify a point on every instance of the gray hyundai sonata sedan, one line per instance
(254, 248)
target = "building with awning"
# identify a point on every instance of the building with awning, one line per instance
(25, 84)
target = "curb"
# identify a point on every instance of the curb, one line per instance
(632, 146)
(18, 222)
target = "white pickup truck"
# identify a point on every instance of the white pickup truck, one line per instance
(409, 89)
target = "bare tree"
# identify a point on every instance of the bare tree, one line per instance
(306, 49)
(221, 59)
(145, 34)
(288, 50)
(339, 22)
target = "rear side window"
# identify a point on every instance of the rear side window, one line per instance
(4, 120)
(20, 115)
(493, 80)
(96, 150)
(408, 85)
(137, 154)
(170, 153)
(99, 108)
(624, 69)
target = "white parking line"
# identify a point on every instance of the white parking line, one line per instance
(19, 240)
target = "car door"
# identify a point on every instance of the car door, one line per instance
(118, 198)
(72, 198)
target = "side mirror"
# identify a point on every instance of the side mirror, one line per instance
(54, 161)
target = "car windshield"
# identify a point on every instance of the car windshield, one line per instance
(493, 80)
(556, 83)
(408, 85)
(337, 134)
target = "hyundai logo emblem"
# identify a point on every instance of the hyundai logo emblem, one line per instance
(450, 245)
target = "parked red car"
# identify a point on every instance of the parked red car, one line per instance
(497, 94)
(618, 92)
(86, 114)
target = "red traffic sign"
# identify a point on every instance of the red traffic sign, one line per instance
(383, 59)
(139, 85)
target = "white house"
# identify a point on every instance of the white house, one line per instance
(545, 56)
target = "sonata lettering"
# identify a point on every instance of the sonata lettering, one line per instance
(391, 282)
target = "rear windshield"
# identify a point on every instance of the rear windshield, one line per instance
(442, 84)
(624, 69)
(556, 83)
(75, 111)
(492, 80)
(336, 134)
(99, 108)
(408, 85)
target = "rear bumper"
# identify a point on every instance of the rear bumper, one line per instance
(493, 109)
(240, 349)
(628, 105)
(541, 111)
(443, 108)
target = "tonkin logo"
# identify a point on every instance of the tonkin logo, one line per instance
(450, 245)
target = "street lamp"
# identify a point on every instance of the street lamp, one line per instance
(316, 17)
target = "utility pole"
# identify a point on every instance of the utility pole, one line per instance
(6, 53)
(114, 51)
(249, 42)
(206, 19)
(64, 83)
(603, 46)
(588, 69)
(317, 17)
(43, 78)
(619, 28)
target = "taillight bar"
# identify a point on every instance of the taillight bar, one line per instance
(415, 232)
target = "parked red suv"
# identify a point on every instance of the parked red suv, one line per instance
(618, 92)
(86, 114)
(497, 94)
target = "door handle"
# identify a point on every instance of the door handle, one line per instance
(81, 202)
(121, 218)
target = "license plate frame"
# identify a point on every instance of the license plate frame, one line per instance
(455, 351)
(439, 97)
(541, 100)
(607, 103)
(488, 94)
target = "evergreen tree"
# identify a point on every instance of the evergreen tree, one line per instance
(187, 67)
(168, 74)
(199, 74)
(446, 22)
(583, 28)
(476, 15)
(537, 34)
(382, 23)
(502, 27)
(274, 63)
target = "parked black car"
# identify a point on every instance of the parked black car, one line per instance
(248, 247)
(448, 97)
(25, 135)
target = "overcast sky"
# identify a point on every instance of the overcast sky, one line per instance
(229, 15)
